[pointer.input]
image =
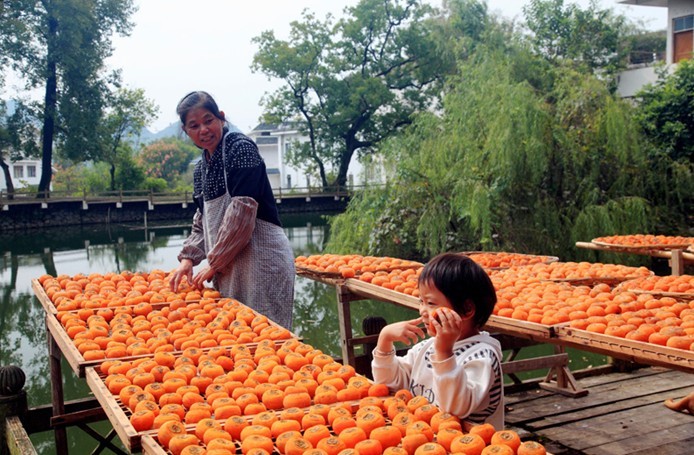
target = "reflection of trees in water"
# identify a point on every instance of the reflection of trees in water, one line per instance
(315, 316)
(127, 256)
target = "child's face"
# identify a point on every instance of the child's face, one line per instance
(431, 300)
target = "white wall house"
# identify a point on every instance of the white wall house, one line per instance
(680, 42)
(24, 173)
(275, 141)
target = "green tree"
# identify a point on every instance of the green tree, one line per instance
(354, 83)
(127, 113)
(60, 46)
(18, 138)
(167, 159)
(513, 163)
(593, 37)
(666, 109)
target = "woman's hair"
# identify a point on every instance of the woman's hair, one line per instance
(463, 282)
(194, 100)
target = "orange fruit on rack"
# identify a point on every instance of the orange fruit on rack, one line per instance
(531, 448)
(388, 436)
(471, 444)
(498, 449)
(507, 437)
(331, 445)
(485, 430)
(257, 442)
(168, 430)
(351, 436)
(281, 439)
(297, 446)
(369, 447)
(316, 433)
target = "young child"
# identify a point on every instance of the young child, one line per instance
(459, 368)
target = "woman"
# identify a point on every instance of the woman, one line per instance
(236, 226)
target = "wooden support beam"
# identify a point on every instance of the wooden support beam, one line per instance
(16, 438)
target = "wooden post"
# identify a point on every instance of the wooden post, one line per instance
(13, 403)
(57, 399)
(677, 262)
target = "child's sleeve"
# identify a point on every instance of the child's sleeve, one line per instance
(393, 371)
(463, 388)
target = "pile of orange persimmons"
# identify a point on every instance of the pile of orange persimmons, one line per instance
(644, 240)
(552, 293)
(208, 375)
(350, 265)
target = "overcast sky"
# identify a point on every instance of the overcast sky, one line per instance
(178, 46)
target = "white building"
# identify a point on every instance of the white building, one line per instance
(275, 141)
(680, 42)
(24, 173)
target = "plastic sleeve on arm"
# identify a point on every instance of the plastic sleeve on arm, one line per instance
(194, 245)
(234, 233)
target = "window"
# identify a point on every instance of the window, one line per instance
(19, 172)
(682, 38)
(31, 171)
(289, 181)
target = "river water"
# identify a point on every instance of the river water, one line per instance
(100, 249)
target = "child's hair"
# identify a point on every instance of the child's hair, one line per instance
(463, 282)
(194, 100)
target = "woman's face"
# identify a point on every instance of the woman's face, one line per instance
(204, 129)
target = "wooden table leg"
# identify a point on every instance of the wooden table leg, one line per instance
(677, 262)
(344, 315)
(57, 397)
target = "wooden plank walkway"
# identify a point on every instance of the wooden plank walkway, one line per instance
(623, 413)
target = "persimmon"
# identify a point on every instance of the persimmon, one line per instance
(507, 437)
(426, 412)
(258, 430)
(485, 430)
(498, 449)
(234, 425)
(430, 448)
(388, 435)
(341, 423)
(281, 426)
(203, 425)
(161, 418)
(311, 419)
(351, 436)
(531, 448)
(282, 438)
(370, 420)
(470, 444)
(255, 441)
(369, 447)
(296, 400)
(297, 446)
(395, 451)
(446, 436)
(168, 430)
(194, 415)
(316, 433)
(142, 420)
(332, 445)
(292, 413)
(419, 426)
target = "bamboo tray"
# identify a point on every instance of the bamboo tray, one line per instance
(636, 351)
(655, 246)
(675, 295)
(43, 298)
(323, 277)
(519, 328)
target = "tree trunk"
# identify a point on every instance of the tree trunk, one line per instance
(8, 178)
(50, 106)
(113, 177)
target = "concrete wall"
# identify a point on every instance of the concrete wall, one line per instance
(36, 216)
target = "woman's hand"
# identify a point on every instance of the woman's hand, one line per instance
(185, 269)
(204, 274)
(407, 332)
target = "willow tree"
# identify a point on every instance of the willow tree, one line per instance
(60, 47)
(525, 157)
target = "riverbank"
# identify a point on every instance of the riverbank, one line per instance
(41, 214)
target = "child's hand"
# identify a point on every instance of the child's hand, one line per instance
(407, 332)
(446, 325)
